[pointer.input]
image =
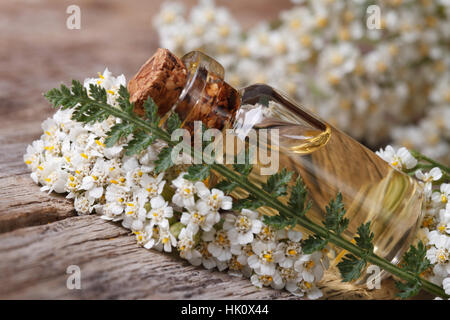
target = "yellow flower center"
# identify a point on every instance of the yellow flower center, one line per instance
(99, 143)
(268, 256)
(322, 22)
(295, 23)
(309, 264)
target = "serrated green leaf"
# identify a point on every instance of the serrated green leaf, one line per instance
(197, 172)
(98, 93)
(124, 100)
(313, 243)
(151, 111)
(276, 185)
(244, 168)
(297, 200)
(164, 160)
(63, 97)
(118, 131)
(173, 122)
(334, 216)
(248, 203)
(78, 90)
(351, 267)
(140, 141)
(278, 222)
(408, 289)
(226, 186)
(364, 237)
(414, 260)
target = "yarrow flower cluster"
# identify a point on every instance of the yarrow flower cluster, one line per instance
(435, 229)
(166, 213)
(322, 53)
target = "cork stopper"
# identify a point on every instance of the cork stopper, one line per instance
(162, 77)
(193, 87)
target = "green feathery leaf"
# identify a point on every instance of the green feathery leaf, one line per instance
(250, 202)
(351, 267)
(278, 222)
(197, 172)
(151, 111)
(164, 160)
(334, 217)
(117, 132)
(297, 200)
(98, 93)
(408, 289)
(244, 168)
(63, 97)
(277, 183)
(414, 260)
(226, 185)
(313, 243)
(173, 122)
(365, 237)
(124, 100)
(141, 141)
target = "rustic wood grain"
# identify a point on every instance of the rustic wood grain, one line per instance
(23, 204)
(37, 52)
(34, 260)
(33, 263)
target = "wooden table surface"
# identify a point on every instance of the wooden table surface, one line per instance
(40, 234)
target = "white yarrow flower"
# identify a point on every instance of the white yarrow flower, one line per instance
(240, 228)
(402, 159)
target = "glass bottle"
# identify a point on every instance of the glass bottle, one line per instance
(328, 160)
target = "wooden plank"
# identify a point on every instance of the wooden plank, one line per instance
(34, 260)
(14, 139)
(23, 204)
(33, 263)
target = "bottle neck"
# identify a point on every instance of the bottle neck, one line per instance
(206, 96)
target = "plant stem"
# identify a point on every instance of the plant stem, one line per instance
(419, 156)
(280, 207)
